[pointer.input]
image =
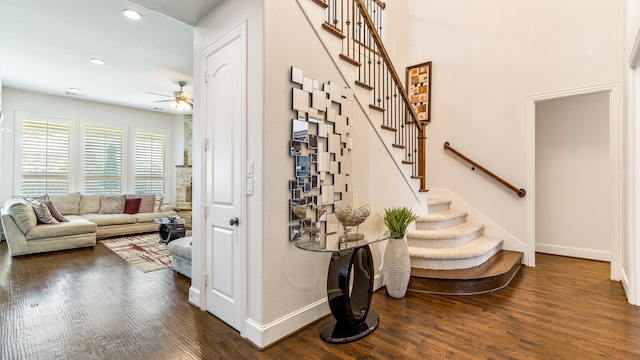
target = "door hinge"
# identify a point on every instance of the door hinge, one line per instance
(205, 279)
(206, 212)
(206, 144)
(206, 81)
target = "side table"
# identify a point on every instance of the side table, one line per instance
(171, 229)
(349, 287)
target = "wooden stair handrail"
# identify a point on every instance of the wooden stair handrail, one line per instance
(387, 59)
(520, 192)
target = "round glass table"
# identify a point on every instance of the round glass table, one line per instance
(171, 229)
(349, 286)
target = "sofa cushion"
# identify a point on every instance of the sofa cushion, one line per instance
(89, 204)
(21, 213)
(67, 204)
(75, 226)
(43, 214)
(110, 219)
(146, 203)
(132, 205)
(146, 217)
(112, 204)
(181, 247)
(54, 211)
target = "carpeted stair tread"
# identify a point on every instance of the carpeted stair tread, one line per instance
(478, 247)
(441, 220)
(453, 232)
(449, 237)
(442, 216)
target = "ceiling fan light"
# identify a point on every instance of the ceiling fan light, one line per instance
(132, 14)
(182, 106)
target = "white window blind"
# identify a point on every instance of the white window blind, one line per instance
(150, 166)
(103, 148)
(45, 156)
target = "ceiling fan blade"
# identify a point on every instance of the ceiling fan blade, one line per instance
(158, 94)
(162, 101)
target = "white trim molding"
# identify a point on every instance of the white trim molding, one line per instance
(264, 335)
(616, 142)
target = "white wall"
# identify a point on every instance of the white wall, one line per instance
(573, 177)
(630, 265)
(15, 100)
(488, 57)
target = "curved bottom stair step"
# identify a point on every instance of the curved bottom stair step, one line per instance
(469, 255)
(494, 274)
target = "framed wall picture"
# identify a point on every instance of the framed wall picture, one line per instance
(419, 89)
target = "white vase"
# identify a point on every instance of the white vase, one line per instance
(397, 267)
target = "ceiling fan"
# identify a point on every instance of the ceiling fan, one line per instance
(181, 100)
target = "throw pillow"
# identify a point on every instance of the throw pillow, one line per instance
(132, 205)
(158, 203)
(146, 203)
(42, 212)
(54, 212)
(112, 204)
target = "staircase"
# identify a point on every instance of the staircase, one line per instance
(452, 256)
(448, 254)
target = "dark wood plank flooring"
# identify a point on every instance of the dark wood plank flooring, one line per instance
(91, 304)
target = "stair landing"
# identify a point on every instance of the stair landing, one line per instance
(492, 275)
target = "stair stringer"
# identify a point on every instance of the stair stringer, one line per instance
(333, 47)
(510, 242)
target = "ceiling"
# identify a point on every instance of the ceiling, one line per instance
(45, 46)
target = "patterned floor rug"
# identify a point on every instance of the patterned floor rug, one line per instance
(142, 251)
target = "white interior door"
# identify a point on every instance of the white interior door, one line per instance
(225, 225)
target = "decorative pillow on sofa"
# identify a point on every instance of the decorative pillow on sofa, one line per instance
(52, 208)
(146, 202)
(42, 212)
(132, 205)
(112, 204)
(56, 214)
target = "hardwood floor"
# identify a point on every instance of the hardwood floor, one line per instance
(91, 304)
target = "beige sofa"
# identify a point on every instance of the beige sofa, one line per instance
(25, 235)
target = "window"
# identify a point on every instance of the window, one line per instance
(44, 156)
(150, 162)
(103, 160)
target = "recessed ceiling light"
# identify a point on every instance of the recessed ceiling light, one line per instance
(97, 61)
(132, 14)
(74, 90)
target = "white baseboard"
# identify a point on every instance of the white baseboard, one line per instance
(573, 252)
(264, 335)
(194, 297)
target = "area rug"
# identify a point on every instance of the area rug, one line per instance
(142, 251)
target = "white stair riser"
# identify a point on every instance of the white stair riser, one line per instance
(437, 208)
(445, 243)
(452, 264)
(421, 224)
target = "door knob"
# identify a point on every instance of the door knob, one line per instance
(234, 221)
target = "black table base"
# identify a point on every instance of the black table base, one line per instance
(170, 232)
(349, 290)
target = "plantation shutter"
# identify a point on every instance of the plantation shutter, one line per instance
(45, 157)
(103, 160)
(150, 163)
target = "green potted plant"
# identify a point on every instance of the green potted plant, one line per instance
(397, 220)
(397, 264)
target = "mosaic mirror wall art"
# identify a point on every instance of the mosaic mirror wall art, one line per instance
(321, 145)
